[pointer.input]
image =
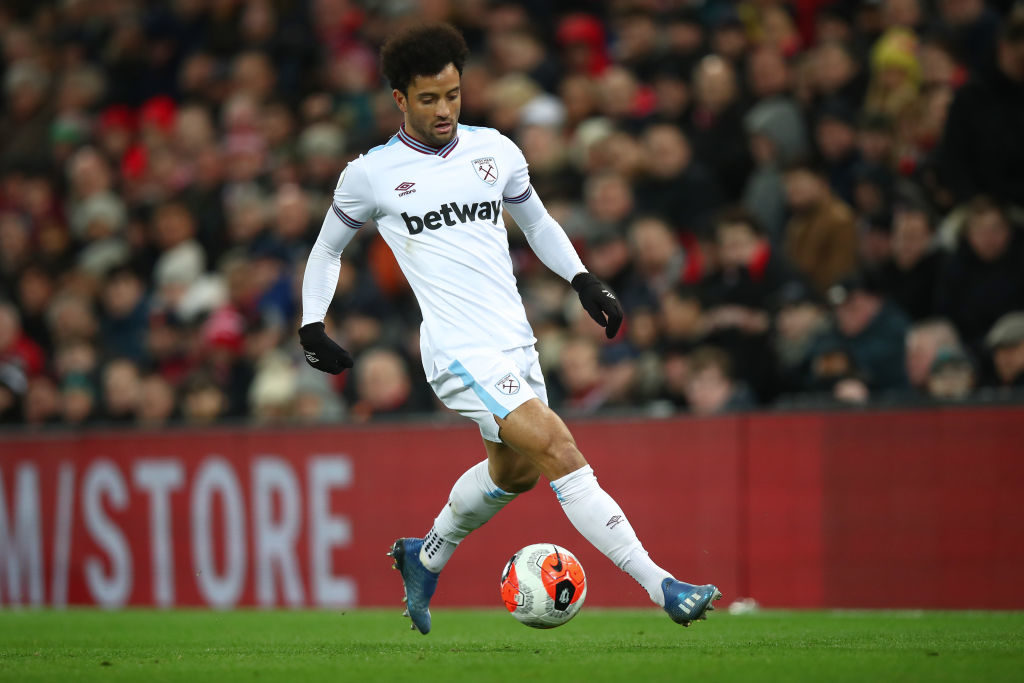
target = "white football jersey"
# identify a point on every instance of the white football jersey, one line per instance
(440, 211)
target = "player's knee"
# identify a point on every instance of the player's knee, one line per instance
(519, 482)
(561, 448)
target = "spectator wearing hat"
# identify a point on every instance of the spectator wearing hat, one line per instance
(951, 376)
(799, 319)
(895, 74)
(926, 340)
(821, 236)
(984, 277)
(222, 359)
(777, 138)
(871, 330)
(1006, 344)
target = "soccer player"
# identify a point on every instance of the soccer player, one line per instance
(436, 191)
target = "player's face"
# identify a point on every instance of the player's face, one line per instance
(431, 106)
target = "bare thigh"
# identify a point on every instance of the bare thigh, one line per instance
(539, 436)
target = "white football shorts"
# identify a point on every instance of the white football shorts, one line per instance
(482, 384)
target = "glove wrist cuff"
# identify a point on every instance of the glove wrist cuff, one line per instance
(584, 279)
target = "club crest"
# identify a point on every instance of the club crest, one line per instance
(486, 169)
(508, 384)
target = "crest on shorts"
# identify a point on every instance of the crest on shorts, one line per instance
(487, 169)
(508, 385)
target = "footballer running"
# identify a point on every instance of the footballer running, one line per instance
(436, 191)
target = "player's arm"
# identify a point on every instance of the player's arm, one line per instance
(349, 211)
(549, 241)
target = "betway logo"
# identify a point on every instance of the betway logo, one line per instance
(452, 214)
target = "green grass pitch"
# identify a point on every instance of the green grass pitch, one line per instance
(488, 645)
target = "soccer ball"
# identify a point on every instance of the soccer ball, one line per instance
(543, 585)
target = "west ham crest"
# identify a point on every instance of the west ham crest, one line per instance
(508, 384)
(487, 169)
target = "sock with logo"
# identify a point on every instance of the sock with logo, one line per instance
(599, 518)
(474, 499)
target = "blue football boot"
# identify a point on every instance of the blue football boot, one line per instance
(418, 581)
(687, 603)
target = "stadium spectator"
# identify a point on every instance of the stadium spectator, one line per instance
(1006, 342)
(203, 401)
(926, 340)
(800, 318)
(580, 385)
(716, 124)
(778, 138)
(710, 387)
(42, 402)
(124, 317)
(836, 136)
(157, 401)
(983, 279)
(384, 386)
(871, 331)
(951, 376)
(661, 261)
(675, 187)
(909, 277)
(160, 164)
(121, 391)
(982, 144)
(821, 237)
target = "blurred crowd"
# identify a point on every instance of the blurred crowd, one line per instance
(800, 203)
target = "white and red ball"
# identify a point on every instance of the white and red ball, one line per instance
(543, 585)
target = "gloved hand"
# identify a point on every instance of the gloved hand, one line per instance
(599, 302)
(320, 350)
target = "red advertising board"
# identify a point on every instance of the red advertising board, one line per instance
(858, 510)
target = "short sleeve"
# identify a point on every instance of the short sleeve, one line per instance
(354, 202)
(517, 187)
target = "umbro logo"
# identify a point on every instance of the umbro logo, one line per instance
(404, 188)
(311, 357)
(615, 521)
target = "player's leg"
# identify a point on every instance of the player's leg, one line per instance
(477, 495)
(536, 432)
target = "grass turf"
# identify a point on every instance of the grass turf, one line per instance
(488, 645)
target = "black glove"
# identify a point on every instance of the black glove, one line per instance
(599, 302)
(320, 350)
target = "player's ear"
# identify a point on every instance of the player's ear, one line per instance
(400, 99)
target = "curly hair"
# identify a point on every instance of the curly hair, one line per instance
(422, 51)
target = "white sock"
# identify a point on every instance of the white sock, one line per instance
(474, 499)
(600, 519)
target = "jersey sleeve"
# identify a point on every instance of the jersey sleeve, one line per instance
(517, 188)
(353, 201)
(351, 206)
(543, 233)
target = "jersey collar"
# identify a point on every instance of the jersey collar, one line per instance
(423, 148)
